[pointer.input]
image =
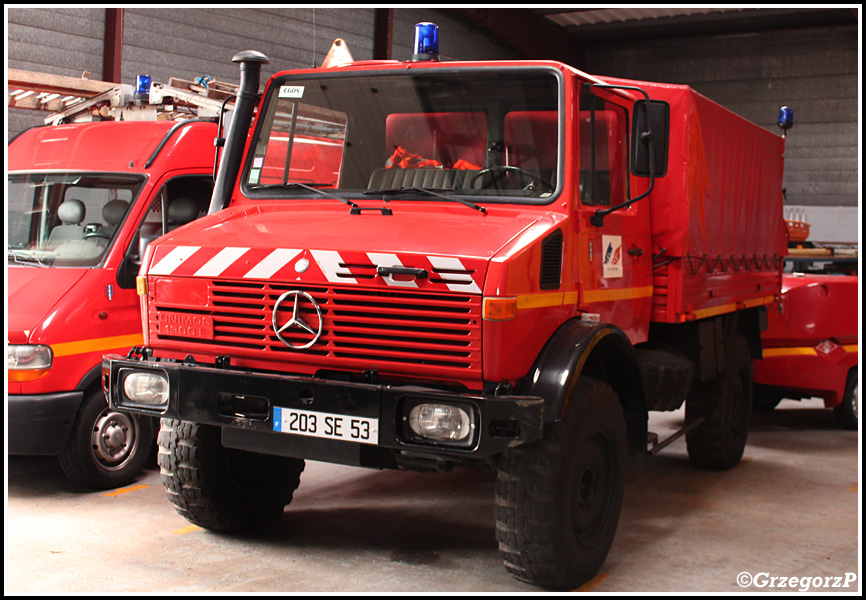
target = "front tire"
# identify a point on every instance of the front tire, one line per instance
(848, 413)
(107, 448)
(558, 500)
(222, 489)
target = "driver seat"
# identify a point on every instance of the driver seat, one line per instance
(113, 213)
(531, 141)
(71, 213)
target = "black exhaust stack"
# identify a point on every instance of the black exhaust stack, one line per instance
(248, 98)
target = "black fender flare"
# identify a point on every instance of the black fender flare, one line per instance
(599, 350)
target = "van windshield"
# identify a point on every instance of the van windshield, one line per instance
(66, 220)
(493, 134)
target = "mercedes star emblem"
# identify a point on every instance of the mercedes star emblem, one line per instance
(297, 321)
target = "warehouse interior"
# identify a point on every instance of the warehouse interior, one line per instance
(787, 519)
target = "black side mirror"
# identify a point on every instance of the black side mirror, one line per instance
(650, 116)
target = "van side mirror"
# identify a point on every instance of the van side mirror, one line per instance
(132, 261)
(650, 159)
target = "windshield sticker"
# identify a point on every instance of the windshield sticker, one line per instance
(612, 245)
(291, 91)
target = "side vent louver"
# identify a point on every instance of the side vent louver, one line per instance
(551, 261)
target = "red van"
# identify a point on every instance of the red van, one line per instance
(83, 201)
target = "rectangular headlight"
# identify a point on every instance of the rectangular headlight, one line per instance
(27, 362)
(28, 356)
(441, 422)
(145, 388)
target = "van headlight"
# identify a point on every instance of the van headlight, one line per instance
(146, 388)
(27, 362)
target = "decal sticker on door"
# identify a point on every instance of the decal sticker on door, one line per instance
(612, 245)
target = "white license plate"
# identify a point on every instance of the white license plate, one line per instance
(326, 425)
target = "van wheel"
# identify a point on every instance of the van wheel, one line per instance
(107, 448)
(558, 500)
(726, 405)
(848, 413)
(222, 489)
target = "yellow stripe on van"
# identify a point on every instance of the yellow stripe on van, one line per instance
(97, 344)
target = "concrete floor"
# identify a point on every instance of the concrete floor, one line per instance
(789, 510)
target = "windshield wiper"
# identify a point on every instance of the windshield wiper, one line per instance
(420, 190)
(24, 257)
(296, 184)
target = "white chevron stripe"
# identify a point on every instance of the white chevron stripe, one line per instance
(173, 260)
(329, 262)
(219, 263)
(272, 263)
(463, 282)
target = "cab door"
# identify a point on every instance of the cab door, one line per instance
(614, 262)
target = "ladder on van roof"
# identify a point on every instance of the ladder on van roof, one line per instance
(78, 99)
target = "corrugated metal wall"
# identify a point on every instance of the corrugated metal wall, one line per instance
(59, 41)
(189, 42)
(815, 71)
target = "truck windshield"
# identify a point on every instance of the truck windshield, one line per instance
(490, 133)
(66, 220)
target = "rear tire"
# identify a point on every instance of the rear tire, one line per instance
(726, 405)
(222, 489)
(558, 500)
(848, 413)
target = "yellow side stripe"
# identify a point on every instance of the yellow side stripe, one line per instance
(539, 300)
(97, 344)
(802, 351)
(703, 313)
(608, 295)
(527, 301)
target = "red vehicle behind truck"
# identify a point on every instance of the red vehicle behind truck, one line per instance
(811, 345)
(504, 265)
(83, 200)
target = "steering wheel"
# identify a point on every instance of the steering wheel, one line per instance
(506, 171)
(96, 234)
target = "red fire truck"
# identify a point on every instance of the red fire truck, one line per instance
(83, 199)
(811, 346)
(425, 264)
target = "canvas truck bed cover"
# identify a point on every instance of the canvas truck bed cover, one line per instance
(717, 224)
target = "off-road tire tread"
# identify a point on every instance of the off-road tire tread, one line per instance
(188, 477)
(525, 513)
(711, 445)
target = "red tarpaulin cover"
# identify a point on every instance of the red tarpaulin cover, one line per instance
(717, 214)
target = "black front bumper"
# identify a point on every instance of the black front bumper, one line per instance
(243, 404)
(40, 425)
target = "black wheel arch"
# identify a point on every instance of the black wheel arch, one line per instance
(599, 350)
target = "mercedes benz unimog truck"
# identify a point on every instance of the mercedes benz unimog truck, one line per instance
(423, 264)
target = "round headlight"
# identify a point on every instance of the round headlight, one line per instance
(146, 387)
(441, 422)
